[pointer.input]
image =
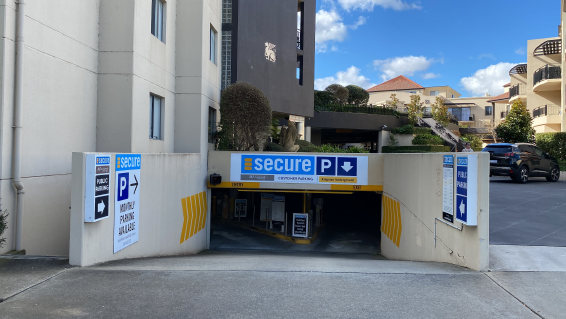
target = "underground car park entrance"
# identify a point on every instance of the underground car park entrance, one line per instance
(402, 206)
(419, 207)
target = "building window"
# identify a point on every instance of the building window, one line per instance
(158, 19)
(211, 124)
(226, 11)
(452, 95)
(412, 92)
(155, 111)
(226, 59)
(462, 113)
(488, 110)
(212, 45)
(434, 93)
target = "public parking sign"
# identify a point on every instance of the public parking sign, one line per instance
(127, 200)
(97, 187)
(467, 189)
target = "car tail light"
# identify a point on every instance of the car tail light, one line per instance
(508, 154)
(511, 171)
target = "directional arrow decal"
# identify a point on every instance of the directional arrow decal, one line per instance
(462, 208)
(347, 166)
(135, 184)
(101, 207)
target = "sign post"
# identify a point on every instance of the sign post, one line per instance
(241, 208)
(97, 187)
(127, 200)
(448, 189)
(300, 225)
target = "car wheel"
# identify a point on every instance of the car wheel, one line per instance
(554, 175)
(523, 176)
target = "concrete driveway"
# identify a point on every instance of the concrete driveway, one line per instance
(532, 214)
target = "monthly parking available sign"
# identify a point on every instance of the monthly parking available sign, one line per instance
(282, 168)
(127, 200)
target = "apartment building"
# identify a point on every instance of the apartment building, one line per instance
(474, 112)
(132, 76)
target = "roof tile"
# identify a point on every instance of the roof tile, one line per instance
(398, 83)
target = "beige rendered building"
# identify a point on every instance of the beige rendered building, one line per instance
(90, 80)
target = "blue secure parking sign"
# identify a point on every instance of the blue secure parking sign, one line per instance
(325, 166)
(347, 166)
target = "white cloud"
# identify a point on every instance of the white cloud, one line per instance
(406, 65)
(486, 55)
(329, 27)
(489, 80)
(361, 21)
(520, 51)
(428, 76)
(386, 4)
(350, 76)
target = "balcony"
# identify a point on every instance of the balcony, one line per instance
(518, 91)
(547, 78)
(547, 118)
(549, 47)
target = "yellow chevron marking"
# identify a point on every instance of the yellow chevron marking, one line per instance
(392, 225)
(185, 218)
(195, 211)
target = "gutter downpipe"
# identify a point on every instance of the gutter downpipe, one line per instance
(18, 108)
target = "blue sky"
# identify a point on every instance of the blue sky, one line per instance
(468, 45)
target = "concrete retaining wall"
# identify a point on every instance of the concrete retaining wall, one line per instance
(166, 179)
(412, 190)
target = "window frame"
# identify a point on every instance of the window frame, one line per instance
(152, 120)
(213, 47)
(158, 19)
(211, 124)
(434, 93)
(490, 110)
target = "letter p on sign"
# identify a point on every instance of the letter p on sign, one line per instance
(123, 186)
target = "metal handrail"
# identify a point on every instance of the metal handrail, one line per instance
(517, 89)
(546, 110)
(547, 72)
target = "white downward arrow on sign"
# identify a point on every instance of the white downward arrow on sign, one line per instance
(462, 208)
(347, 166)
(101, 207)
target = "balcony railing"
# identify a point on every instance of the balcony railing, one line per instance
(517, 89)
(547, 72)
(546, 110)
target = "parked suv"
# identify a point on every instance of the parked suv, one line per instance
(521, 161)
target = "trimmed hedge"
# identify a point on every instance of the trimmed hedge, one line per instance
(428, 139)
(553, 143)
(405, 129)
(416, 149)
(273, 147)
(306, 146)
(422, 130)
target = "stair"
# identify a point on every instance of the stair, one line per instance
(448, 136)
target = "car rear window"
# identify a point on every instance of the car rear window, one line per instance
(498, 149)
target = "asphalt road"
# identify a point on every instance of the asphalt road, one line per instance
(532, 214)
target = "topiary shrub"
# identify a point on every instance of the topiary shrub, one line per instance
(245, 117)
(306, 146)
(340, 93)
(428, 139)
(517, 127)
(357, 95)
(406, 129)
(273, 147)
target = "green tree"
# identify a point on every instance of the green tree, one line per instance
(322, 98)
(394, 101)
(339, 93)
(414, 109)
(517, 127)
(440, 111)
(245, 118)
(357, 95)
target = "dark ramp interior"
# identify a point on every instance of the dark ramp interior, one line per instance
(351, 223)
